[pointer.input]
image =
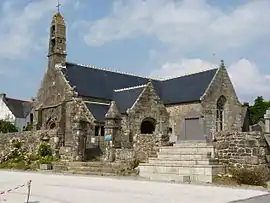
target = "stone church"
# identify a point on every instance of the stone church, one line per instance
(86, 104)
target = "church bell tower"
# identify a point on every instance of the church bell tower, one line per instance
(57, 42)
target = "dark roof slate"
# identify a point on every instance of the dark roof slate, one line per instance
(98, 110)
(126, 98)
(187, 88)
(19, 108)
(98, 83)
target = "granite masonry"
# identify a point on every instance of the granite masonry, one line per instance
(242, 149)
(30, 140)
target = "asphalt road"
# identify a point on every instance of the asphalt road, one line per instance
(259, 199)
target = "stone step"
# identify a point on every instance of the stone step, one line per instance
(96, 164)
(178, 178)
(184, 162)
(180, 170)
(93, 169)
(187, 150)
(90, 173)
(181, 156)
(193, 144)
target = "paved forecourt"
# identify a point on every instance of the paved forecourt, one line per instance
(50, 188)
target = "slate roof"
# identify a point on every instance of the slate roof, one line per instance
(19, 108)
(98, 110)
(187, 88)
(99, 83)
(126, 98)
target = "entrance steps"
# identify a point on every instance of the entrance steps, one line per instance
(189, 161)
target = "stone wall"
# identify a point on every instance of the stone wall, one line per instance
(30, 139)
(146, 146)
(124, 154)
(222, 85)
(242, 149)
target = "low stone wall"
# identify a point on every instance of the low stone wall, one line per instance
(124, 154)
(30, 139)
(242, 149)
(146, 146)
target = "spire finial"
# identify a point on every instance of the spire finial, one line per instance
(58, 6)
(222, 63)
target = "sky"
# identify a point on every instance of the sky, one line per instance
(156, 38)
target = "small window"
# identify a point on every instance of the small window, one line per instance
(31, 118)
(102, 131)
(96, 130)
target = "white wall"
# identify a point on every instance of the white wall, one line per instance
(5, 113)
(20, 123)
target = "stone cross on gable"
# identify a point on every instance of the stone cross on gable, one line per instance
(58, 6)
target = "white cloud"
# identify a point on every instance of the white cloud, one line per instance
(185, 24)
(248, 79)
(245, 75)
(184, 67)
(19, 26)
(192, 26)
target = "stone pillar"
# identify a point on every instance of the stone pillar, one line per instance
(79, 143)
(267, 121)
(113, 125)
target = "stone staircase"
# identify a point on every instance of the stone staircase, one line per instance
(97, 168)
(190, 161)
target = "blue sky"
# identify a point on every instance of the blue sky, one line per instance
(158, 38)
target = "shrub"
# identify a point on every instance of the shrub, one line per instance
(6, 126)
(45, 154)
(46, 160)
(44, 150)
(250, 176)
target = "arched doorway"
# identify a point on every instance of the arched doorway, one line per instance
(148, 126)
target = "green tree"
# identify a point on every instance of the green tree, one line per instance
(6, 126)
(258, 110)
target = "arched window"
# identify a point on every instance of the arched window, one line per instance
(148, 126)
(220, 113)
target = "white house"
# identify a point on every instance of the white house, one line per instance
(16, 111)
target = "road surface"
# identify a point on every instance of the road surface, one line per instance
(51, 188)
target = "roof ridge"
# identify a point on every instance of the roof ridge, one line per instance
(130, 88)
(114, 71)
(189, 74)
(92, 102)
(19, 100)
